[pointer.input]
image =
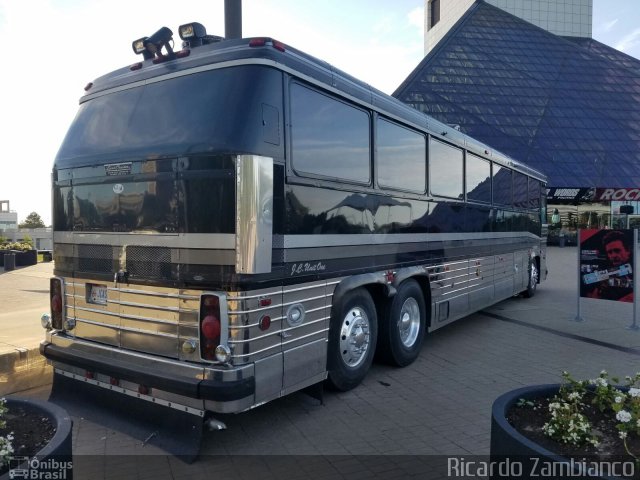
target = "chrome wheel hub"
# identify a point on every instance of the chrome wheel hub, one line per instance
(355, 337)
(409, 322)
(534, 275)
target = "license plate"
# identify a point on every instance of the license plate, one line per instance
(97, 294)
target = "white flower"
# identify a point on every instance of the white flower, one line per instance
(601, 382)
(623, 435)
(603, 372)
(623, 416)
(618, 399)
(574, 396)
(634, 392)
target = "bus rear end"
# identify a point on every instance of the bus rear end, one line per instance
(163, 207)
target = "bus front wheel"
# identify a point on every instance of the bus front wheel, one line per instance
(403, 328)
(352, 339)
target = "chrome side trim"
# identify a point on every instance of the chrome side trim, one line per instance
(139, 305)
(297, 339)
(308, 335)
(305, 241)
(124, 315)
(243, 312)
(254, 214)
(279, 332)
(155, 294)
(311, 310)
(208, 241)
(127, 329)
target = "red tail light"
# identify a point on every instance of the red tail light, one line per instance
(56, 301)
(210, 326)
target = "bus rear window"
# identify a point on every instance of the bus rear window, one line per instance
(216, 110)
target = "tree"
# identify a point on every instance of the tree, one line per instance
(33, 220)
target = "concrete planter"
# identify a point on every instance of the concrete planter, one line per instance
(518, 456)
(55, 459)
(23, 258)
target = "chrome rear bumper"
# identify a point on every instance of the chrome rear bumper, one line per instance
(216, 388)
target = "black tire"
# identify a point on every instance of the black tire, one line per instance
(403, 328)
(352, 339)
(534, 273)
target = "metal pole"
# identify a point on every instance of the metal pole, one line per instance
(232, 19)
(634, 324)
(578, 317)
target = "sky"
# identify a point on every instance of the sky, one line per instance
(53, 48)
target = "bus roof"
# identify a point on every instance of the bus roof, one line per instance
(267, 51)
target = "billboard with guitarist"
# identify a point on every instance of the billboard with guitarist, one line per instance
(606, 264)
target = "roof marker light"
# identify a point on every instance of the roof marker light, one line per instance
(257, 42)
(278, 45)
(261, 42)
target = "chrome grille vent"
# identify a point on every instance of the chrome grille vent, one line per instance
(149, 262)
(95, 258)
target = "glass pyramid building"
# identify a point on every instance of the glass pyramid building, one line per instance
(569, 107)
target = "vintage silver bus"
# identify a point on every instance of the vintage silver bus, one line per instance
(237, 220)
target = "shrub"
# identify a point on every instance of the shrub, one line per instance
(21, 246)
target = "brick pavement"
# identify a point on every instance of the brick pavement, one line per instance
(440, 405)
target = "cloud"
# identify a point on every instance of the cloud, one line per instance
(607, 26)
(629, 41)
(416, 19)
(384, 26)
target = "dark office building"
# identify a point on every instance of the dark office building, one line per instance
(567, 106)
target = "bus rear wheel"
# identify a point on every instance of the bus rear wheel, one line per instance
(352, 339)
(403, 328)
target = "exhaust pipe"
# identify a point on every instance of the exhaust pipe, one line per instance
(232, 19)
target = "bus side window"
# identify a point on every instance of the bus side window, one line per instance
(401, 157)
(520, 190)
(478, 176)
(445, 170)
(502, 186)
(329, 138)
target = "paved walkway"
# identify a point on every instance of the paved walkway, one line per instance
(24, 297)
(399, 421)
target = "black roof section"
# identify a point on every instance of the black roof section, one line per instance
(239, 51)
(567, 107)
